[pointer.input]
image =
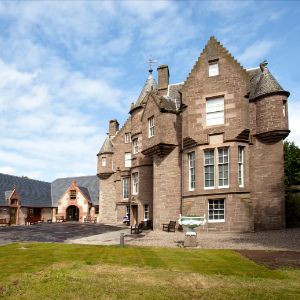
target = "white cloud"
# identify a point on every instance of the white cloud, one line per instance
(255, 52)
(7, 170)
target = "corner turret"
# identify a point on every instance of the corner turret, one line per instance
(271, 105)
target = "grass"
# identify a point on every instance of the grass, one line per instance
(51, 271)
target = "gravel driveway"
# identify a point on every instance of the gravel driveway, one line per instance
(287, 239)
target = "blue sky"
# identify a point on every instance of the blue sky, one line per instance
(68, 67)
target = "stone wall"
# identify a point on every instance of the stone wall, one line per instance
(166, 188)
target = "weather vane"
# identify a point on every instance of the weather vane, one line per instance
(151, 61)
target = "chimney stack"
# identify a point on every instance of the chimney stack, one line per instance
(113, 127)
(163, 79)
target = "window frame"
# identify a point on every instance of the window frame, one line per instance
(128, 160)
(208, 165)
(135, 183)
(135, 146)
(127, 137)
(192, 170)
(146, 212)
(223, 164)
(103, 161)
(211, 111)
(216, 209)
(241, 168)
(151, 127)
(73, 195)
(126, 180)
(211, 70)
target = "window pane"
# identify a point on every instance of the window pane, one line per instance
(216, 210)
(213, 69)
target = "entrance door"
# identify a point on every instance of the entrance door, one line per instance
(72, 213)
(134, 209)
(13, 215)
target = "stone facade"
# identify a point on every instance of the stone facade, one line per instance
(209, 146)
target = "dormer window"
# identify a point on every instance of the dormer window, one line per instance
(151, 126)
(213, 68)
(72, 194)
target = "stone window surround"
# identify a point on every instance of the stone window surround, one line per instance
(73, 194)
(224, 210)
(220, 112)
(223, 163)
(127, 159)
(216, 168)
(126, 187)
(127, 137)
(135, 183)
(146, 212)
(213, 68)
(103, 161)
(135, 145)
(192, 170)
(241, 167)
(201, 107)
(151, 127)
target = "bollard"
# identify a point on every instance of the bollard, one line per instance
(122, 240)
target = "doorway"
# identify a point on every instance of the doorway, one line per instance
(72, 213)
(134, 209)
(13, 216)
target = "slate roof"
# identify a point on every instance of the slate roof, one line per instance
(107, 146)
(149, 85)
(33, 193)
(167, 104)
(173, 90)
(88, 184)
(262, 82)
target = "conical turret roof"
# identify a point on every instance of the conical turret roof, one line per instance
(107, 146)
(263, 83)
(150, 84)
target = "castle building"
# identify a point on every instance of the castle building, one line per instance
(211, 145)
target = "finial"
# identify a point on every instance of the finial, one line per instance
(151, 61)
(263, 66)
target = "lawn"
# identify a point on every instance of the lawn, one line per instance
(61, 271)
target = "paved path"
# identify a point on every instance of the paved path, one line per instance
(108, 238)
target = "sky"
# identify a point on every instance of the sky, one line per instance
(68, 67)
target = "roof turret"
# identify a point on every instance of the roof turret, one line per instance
(149, 85)
(107, 146)
(263, 83)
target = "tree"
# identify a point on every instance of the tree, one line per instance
(291, 164)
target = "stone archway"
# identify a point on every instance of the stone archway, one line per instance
(72, 213)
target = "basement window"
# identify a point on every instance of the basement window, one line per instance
(216, 210)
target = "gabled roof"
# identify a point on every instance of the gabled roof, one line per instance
(150, 85)
(33, 193)
(85, 192)
(262, 83)
(107, 146)
(89, 185)
(210, 52)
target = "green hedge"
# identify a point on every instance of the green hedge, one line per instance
(292, 209)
